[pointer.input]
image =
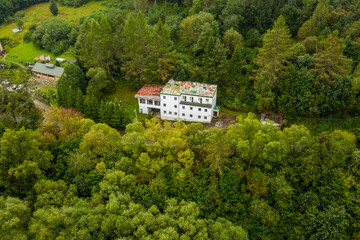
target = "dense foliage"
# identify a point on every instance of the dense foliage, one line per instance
(297, 59)
(73, 178)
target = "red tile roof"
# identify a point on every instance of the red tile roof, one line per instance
(151, 90)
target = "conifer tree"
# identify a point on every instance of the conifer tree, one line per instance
(53, 8)
(215, 61)
(79, 100)
(317, 21)
(91, 108)
(272, 59)
(329, 59)
(137, 46)
(275, 51)
(162, 55)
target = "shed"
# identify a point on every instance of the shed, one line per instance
(60, 59)
(16, 30)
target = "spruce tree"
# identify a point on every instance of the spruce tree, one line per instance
(329, 59)
(53, 8)
(137, 46)
(162, 54)
(275, 51)
(214, 61)
(272, 60)
(317, 21)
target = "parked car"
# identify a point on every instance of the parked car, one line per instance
(20, 86)
(6, 83)
(14, 87)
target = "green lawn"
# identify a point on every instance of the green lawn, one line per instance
(127, 96)
(35, 14)
(25, 52)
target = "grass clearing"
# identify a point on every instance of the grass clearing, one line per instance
(127, 96)
(36, 14)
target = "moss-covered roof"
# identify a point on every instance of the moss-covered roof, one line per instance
(48, 69)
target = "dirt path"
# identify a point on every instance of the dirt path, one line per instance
(41, 105)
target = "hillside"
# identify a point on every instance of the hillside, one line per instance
(36, 14)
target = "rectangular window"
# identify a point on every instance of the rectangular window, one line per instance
(183, 107)
(175, 98)
(191, 108)
(200, 99)
(190, 115)
(205, 118)
(157, 103)
(150, 102)
(164, 97)
(199, 117)
(192, 99)
(175, 106)
(199, 109)
(164, 104)
(183, 114)
(184, 98)
(170, 113)
(164, 112)
(207, 100)
(142, 100)
(175, 113)
(205, 110)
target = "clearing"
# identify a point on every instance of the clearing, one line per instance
(25, 52)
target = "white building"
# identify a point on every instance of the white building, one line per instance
(179, 101)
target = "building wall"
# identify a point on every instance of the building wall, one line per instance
(195, 113)
(169, 107)
(144, 107)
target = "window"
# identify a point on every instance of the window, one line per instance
(200, 100)
(183, 114)
(164, 112)
(175, 98)
(142, 100)
(207, 100)
(183, 107)
(205, 110)
(164, 104)
(205, 118)
(191, 108)
(175, 106)
(170, 113)
(164, 97)
(199, 109)
(190, 115)
(157, 103)
(192, 99)
(184, 98)
(150, 102)
(175, 113)
(199, 117)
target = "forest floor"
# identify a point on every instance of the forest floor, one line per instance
(25, 52)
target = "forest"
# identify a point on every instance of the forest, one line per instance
(86, 169)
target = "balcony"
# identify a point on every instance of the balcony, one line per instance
(196, 104)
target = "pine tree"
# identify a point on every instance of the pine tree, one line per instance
(329, 59)
(275, 51)
(214, 61)
(162, 55)
(317, 21)
(79, 101)
(272, 60)
(137, 46)
(91, 108)
(53, 8)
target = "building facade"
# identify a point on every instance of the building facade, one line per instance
(180, 101)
